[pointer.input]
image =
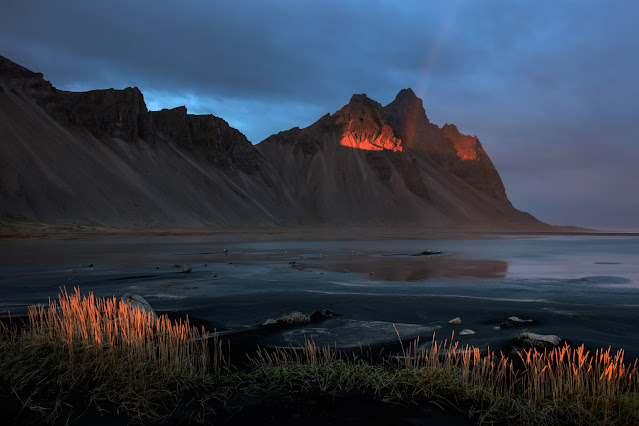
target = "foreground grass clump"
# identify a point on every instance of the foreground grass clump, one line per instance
(86, 352)
(108, 353)
(558, 386)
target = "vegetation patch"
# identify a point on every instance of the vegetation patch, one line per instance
(84, 354)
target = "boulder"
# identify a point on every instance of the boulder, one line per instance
(455, 321)
(139, 302)
(543, 338)
(466, 332)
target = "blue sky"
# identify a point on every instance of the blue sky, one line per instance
(549, 87)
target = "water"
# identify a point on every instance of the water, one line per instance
(583, 288)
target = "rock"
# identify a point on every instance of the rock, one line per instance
(292, 263)
(213, 275)
(205, 265)
(371, 273)
(515, 321)
(545, 338)
(187, 269)
(157, 267)
(230, 263)
(269, 321)
(90, 265)
(455, 321)
(176, 266)
(429, 252)
(226, 251)
(137, 301)
(466, 332)
(317, 316)
(496, 328)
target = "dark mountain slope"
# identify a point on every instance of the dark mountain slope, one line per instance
(100, 157)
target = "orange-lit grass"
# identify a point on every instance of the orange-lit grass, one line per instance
(119, 355)
(116, 355)
(106, 324)
(552, 386)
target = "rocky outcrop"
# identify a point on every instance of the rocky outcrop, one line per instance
(208, 137)
(106, 113)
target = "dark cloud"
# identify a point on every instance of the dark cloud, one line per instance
(549, 87)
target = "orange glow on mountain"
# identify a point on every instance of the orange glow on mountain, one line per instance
(466, 146)
(376, 143)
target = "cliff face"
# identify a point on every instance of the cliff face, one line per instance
(101, 157)
(207, 137)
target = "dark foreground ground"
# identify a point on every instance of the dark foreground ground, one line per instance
(581, 288)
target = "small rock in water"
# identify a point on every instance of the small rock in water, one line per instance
(187, 269)
(213, 275)
(176, 266)
(455, 321)
(466, 332)
(90, 265)
(205, 265)
(496, 328)
(230, 263)
(292, 263)
(371, 273)
(157, 267)
(515, 321)
(270, 321)
(226, 251)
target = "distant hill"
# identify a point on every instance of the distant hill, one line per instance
(101, 158)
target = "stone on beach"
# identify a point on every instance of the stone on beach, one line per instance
(139, 302)
(515, 321)
(545, 338)
(455, 321)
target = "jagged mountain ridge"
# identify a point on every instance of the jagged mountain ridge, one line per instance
(101, 157)
(375, 164)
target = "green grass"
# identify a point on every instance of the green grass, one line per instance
(294, 318)
(84, 353)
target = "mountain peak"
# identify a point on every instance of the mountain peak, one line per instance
(362, 100)
(407, 94)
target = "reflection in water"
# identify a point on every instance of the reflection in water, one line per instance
(416, 268)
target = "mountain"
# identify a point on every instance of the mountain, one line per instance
(100, 157)
(390, 165)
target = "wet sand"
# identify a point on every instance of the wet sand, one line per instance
(371, 280)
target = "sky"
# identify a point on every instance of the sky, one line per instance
(550, 88)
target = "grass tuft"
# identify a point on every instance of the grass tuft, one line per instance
(116, 356)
